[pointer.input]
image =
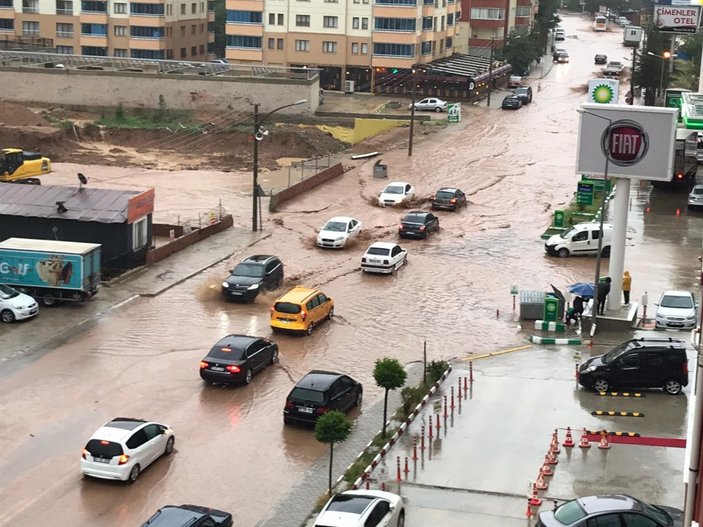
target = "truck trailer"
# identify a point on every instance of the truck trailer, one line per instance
(51, 271)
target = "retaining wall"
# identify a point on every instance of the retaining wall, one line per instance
(305, 185)
(160, 253)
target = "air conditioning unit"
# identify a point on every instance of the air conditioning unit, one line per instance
(348, 86)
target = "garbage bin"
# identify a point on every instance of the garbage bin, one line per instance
(532, 304)
(380, 170)
(559, 218)
(551, 309)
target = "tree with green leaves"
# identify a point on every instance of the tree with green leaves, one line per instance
(389, 375)
(332, 427)
(650, 70)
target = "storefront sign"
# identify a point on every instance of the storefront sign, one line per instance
(140, 205)
(603, 91)
(677, 18)
(454, 112)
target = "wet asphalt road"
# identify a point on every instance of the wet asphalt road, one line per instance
(232, 450)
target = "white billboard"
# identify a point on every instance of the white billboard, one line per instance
(603, 91)
(637, 142)
(677, 18)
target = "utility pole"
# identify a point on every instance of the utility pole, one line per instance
(490, 75)
(412, 114)
(632, 77)
(373, 78)
(254, 193)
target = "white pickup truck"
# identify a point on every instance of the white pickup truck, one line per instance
(613, 69)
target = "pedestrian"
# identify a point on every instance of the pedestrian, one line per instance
(571, 315)
(578, 306)
(603, 290)
(626, 286)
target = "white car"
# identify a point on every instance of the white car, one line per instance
(338, 231)
(15, 305)
(361, 508)
(396, 193)
(383, 257)
(430, 103)
(124, 447)
(676, 310)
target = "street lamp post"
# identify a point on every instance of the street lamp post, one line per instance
(664, 57)
(412, 113)
(258, 136)
(599, 257)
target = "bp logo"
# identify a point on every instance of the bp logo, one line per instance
(603, 94)
(625, 143)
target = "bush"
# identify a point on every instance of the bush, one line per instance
(435, 369)
(411, 398)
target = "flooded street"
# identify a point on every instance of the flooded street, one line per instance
(232, 450)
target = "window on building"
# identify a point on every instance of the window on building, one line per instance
(184, 53)
(120, 31)
(450, 42)
(202, 7)
(183, 31)
(202, 27)
(364, 23)
(94, 51)
(329, 47)
(139, 227)
(302, 45)
(120, 8)
(64, 30)
(487, 13)
(30, 6)
(193, 29)
(450, 19)
(355, 22)
(523, 10)
(279, 43)
(154, 54)
(30, 29)
(272, 19)
(193, 51)
(64, 50)
(243, 41)
(193, 8)
(146, 32)
(183, 9)
(426, 47)
(302, 20)
(394, 24)
(146, 9)
(396, 2)
(210, 27)
(364, 48)
(427, 23)
(122, 53)
(355, 48)
(95, 30)
(330, 21)
(211, 6)
(169, 54)
(169, 12)
(7, 24)
(92, 6)
(280, 19)
(434, 23)
(394, 50)
(366, 1)
(356, 1)
(272, 43)
(169, 31)
(244, 17)
(201, 49)
(63, 7)
(441, 44)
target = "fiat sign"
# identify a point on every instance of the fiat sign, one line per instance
(635, 142)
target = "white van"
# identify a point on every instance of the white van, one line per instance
(580, 239)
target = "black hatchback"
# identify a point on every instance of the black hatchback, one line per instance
(511, 102)
(639, 363)
(449, 198)
(251, 276)
(418, 224)
(235, 359)
(524, 93)
(189, 516)
(319, 392)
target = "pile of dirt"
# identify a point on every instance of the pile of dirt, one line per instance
(17, 115)
(57, 144)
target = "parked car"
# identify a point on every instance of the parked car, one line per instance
(449, 198)
(124, 447)
(623, 21)
(613, 68)
(560, 35)
(338, 231)
(251, 276)
(236, 358)
(524, 93)
(638, 363)
(301, 309)
(430, 103)
(676, 310)
(319, 392)
(418, 224)
(15, 305)
(581, 239)
(695, 198)
(396, 193)
(606, 510)
(514, 81)
(511, 102)
(189, 516)
(383, 257)
(600, 58)
(362, 508)
(561, 57)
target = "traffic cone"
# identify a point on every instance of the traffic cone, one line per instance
(584, 442)
(534, 500)
(554, 447)
(604, 442)
(529, 512)
(569, 440)
(550, 458)
(546, 470)
(541, 484)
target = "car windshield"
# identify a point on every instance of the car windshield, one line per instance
(394, 189)
(414, 218)
(616, 352)
(335, 226)
(444, 194)
(682, 302)
(569, 513)
(658, 514)
(251, 270)
(287, 307)
(6, 292)
(697, 190)
(305, 394)
(378, 251)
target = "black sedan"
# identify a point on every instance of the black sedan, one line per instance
(189, 516)
(236, 358)
(600, 58)
(449, 198)
(618, 509)
(418, 224)
(511, 102)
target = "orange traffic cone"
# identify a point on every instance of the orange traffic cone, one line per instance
(569, 441)
(554, 447)
(546, 470)
(534, 500)
(529, 512)
(550, 458)
(604, 442)
(584, 442)
(541, 484)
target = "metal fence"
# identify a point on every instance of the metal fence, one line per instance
(300, 170)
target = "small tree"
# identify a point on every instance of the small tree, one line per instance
(332, 427)
(389, 375)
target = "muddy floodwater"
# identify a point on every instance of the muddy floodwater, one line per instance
(232, 450)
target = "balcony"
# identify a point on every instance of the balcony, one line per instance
(64, 34)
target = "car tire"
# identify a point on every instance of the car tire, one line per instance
(331, 313)
(248, 376)
(672, 387)
(563, 252)
(606, 252)
(601, 385)
(438, 109)
(169, 446)
(134, 474)
(7, 316)
(310, 329)
(287, 421)
(359, 398)
(401, 519)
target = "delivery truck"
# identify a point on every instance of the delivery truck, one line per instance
(51, 271)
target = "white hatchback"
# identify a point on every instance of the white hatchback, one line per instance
(124, 447)
(383, 257)
(338, 231)
(676, 310)
(15, 305)
(360, 508)
(396, 193)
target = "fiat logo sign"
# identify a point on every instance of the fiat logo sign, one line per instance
(625, 143)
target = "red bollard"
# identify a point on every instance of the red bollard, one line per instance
(414, 449)
(471, 371)
(383, 485)
(398, 476)
(445, 406)
(422, 438)
(438, 426)
(452, 403)
(429, 432)
(577, 370)
(406, 470)
(368, 485)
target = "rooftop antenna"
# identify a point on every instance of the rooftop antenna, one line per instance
(83, 181)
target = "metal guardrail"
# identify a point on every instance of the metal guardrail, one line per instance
(25, 59)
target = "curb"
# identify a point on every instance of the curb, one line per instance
(558, 327)
(393, 440)
(549, 340)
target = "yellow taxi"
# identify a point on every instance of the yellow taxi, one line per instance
(301, 309)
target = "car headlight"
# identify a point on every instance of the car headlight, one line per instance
(339, 239)
(692, 317)
(252, 287)
(590, 369)
(225, 285)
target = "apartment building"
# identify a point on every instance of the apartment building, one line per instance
(347, 39)
(485, 23)
(161, 29)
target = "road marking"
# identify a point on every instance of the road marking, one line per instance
(611, 413)
(494, 353)
(621, 394)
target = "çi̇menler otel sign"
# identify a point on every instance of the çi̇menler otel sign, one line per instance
(624, 143)
(676, 18)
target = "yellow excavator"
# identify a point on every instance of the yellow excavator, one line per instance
(18, 166)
